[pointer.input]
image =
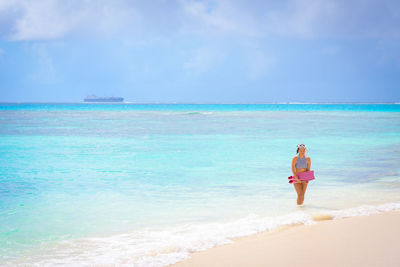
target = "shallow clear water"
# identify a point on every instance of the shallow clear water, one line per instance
(147, 184)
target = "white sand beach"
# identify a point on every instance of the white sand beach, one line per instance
(371, 240)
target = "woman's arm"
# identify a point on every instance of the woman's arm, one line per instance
(294, 161)
(308, 164)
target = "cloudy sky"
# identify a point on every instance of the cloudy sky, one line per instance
(200, 51)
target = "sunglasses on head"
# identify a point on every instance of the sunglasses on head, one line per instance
(301, 145)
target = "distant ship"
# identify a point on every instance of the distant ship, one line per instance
(93, 98)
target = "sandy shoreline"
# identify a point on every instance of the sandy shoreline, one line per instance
(358, 241)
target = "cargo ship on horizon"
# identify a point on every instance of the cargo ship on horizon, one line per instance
(94, 98)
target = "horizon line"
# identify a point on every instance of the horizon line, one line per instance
(202, 103)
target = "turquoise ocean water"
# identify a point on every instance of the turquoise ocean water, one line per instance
(145, 185)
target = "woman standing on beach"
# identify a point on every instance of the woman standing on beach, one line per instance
(300, 163)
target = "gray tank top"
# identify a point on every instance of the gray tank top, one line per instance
(301, 163)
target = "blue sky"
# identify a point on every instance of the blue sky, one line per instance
(200, 51)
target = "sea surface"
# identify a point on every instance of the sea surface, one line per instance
(145, 185)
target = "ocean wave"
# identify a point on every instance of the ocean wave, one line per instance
(197, 113)
(152, 247)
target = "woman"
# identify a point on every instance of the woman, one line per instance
(300, 163)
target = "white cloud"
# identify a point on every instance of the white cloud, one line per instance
(203, 60)
(336, 19)
(219, 18)
(301, 18)
(41, 21)
(54, 19)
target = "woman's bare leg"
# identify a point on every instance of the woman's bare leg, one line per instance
(299, 190)
(304, 187)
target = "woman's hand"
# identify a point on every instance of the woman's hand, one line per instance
(297, 178)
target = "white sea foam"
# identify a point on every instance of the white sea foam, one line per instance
(364, 210)
(152, 247)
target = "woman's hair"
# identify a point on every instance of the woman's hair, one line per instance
(298, 147)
